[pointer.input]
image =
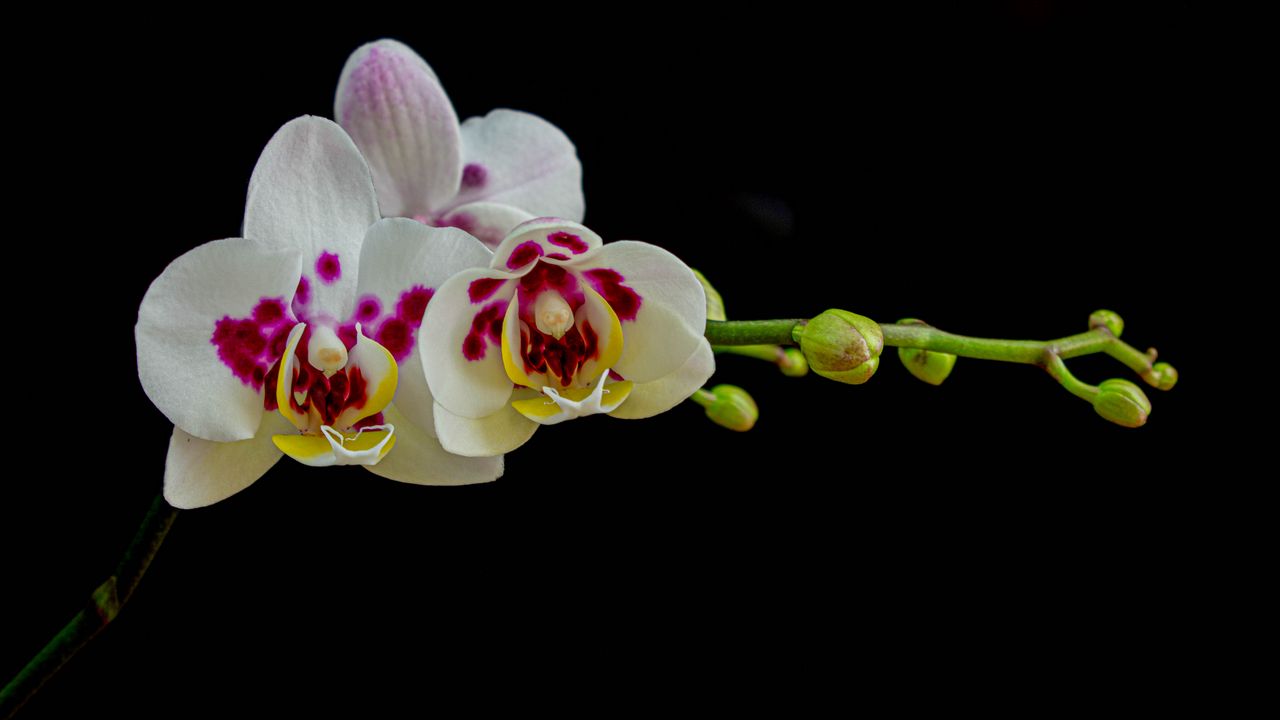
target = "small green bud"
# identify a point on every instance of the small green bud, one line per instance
(1107, 319)
(928, 365)
(1122, 402)
(732, 408)
(842, 346)
(715, 303)
(793, 363)
(1161, 375)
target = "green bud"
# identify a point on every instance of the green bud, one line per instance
(1122, 402)
(1107, 319)
(857, 375)
(1161, 375)
(715, 303)
(793, 363)
(928, 365)
(732, 408)
(842, 346)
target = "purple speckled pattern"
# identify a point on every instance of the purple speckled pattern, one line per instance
(486, 328)
(482, 289)
(523, 254)
(609, 283)
(474, 176)
(248, 346)
(328, 268)
(569, 241)
(368, 308)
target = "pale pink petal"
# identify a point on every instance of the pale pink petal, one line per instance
(394, 107)
(521, 160)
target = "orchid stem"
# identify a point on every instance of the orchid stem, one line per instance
(768, 353)
(103, 607)
(924, 337)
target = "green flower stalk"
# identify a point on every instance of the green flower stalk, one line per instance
(843, 346)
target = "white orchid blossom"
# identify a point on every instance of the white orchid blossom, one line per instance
(295, 337)
(576, 326)
(486, 176)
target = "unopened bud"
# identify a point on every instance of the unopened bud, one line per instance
(1122, 402)
(842, 346)
(928, 365)
(732, 408)
(793, 363)
(1107, 319)
(715, 303)
(1161, 375)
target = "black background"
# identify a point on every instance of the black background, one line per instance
(1000, 171)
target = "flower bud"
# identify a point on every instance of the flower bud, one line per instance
(793, 363)
(842, 346)
(1122, 402)
(732, 408)
(715, 303)
(928, 365)
(1107, 319)
(1161, 375)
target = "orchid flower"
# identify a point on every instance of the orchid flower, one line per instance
(295, 337)
(577, 326)
(486, 176)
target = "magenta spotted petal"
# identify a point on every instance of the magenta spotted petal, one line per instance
(291, 338)
(560, 326)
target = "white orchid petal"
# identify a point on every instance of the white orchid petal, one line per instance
(553, 238)
(311, 192)
(521, 160)
(199, 472)
(402, 264)
(651, 398)
(206, 377)
(672, 313)
(419, 458)
(460, 342)
(496, 434)
(488, 221)
(394, 107)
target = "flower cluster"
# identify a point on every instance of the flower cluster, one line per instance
(410, 294)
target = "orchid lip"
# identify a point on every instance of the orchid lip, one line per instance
(325, 402)
(572, 403)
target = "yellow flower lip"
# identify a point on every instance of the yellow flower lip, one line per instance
(310, 401)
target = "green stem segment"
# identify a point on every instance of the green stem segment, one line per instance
(784, 332)
(768, 353)
(102, 608)
(751, 332)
